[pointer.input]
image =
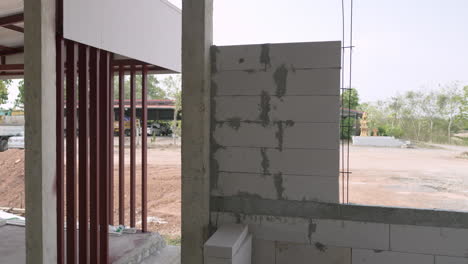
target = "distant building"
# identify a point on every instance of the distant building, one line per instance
(157, 109)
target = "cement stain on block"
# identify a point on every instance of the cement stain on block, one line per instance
(266, 108)
(260, 57)
(287, 161)
(363, 256)
(292, 187)
(335, 233)
(288, 253)
(316, 82)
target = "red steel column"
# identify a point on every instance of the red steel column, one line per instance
(95, 158)
(104, 155)
(111, 142)
(132, 147)
(83, 169)
(121, 147)
(60, 151)
(144, 147)
(72, 250)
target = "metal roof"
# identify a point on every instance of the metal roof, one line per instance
(11, 36)
(160, 50)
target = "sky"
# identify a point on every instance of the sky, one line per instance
(400, 45)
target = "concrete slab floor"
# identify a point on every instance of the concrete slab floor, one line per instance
(125, 249)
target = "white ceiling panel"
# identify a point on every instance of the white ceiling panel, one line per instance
(145, 30)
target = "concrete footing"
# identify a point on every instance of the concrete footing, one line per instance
(146, 248)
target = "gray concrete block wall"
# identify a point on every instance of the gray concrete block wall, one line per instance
(275, 113)
(370, 243)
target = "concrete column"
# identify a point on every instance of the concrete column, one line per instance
(197, 32)
(40, 139)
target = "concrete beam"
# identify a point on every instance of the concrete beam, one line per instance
(197, 32)
(39, 18)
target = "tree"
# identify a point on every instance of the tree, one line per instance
(350, 99)
(19, 102)
(152, 85)
(463, 116)
(396, 107)
(173, 85)
(430, 108)
(413, 111)
(4, 84)
(450, 103)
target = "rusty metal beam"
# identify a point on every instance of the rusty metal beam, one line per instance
(11, 19)
(12, 51)
(60, 151)
(83, 169)
(94, 156)
(14, 28)
(132, 147)
(11, 73)
(71, 164)
(111, 143)
(12, 67)
(104, 155)
(144, 148)
(121, 147)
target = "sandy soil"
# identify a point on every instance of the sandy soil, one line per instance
(164, 197)
(422, 178)
(12, 178)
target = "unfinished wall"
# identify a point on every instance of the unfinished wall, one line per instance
(275, 111)
(274, 145)
(284, 240)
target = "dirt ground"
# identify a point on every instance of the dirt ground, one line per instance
(164, 196)
(421, 178)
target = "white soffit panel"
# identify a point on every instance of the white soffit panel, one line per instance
(145, 30)
(9, 7)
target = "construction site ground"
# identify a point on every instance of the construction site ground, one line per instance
(429, 177)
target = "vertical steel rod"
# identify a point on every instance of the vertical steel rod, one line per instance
(111, 142)
(94, 156)
(132, 147)
(144, 142)
(60, 151)
(121, 147)
(83, 169)
(104, 155)
(71, 153)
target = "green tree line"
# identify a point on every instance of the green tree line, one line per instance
(424, 115)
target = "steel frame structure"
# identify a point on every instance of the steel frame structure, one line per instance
(87, 73)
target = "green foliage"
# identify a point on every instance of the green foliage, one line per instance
(173, 240)
(350, 99)
(173, 85)
(154, 90)
(428, 115)
(348, 127)
(19, 102)
(4, 84)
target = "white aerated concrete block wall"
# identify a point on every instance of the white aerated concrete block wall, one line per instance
(230, 244)
(303, 241)
(275, 111)
(275, 139)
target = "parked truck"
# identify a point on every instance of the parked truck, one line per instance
(11, 132)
